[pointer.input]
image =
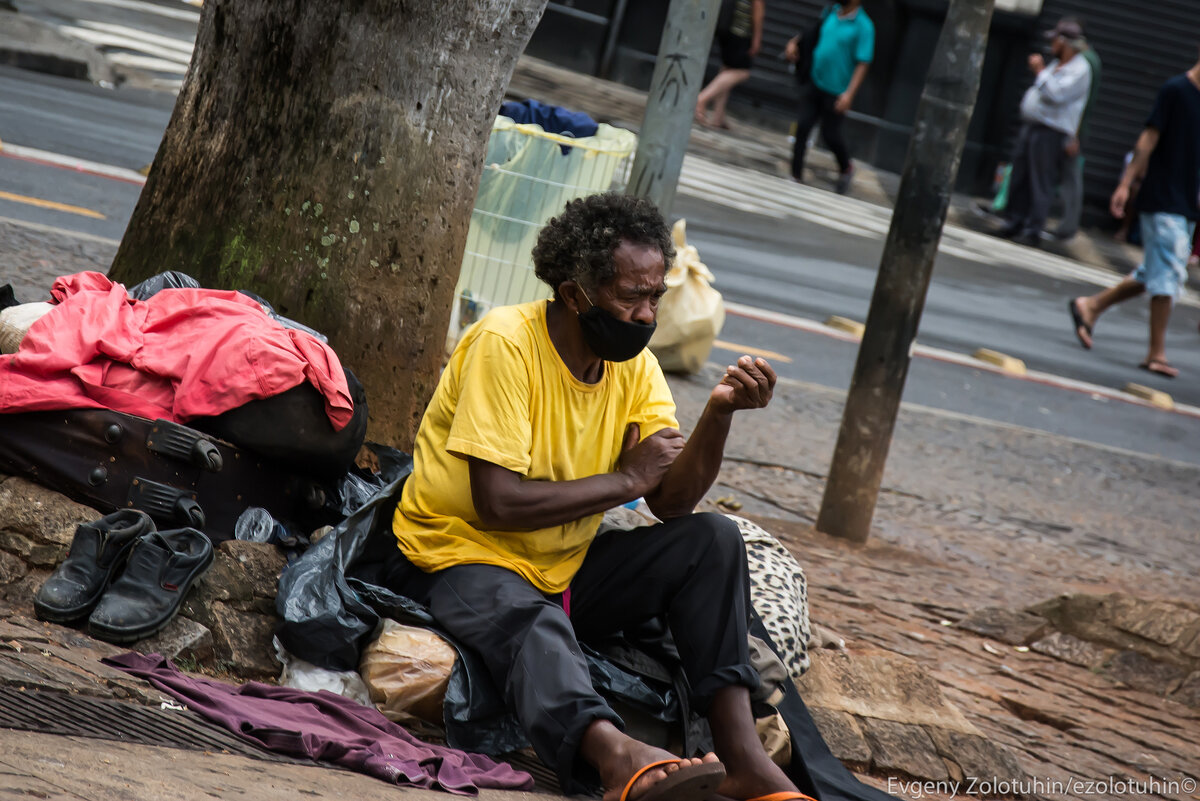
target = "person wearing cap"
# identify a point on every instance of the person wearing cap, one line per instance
(1050, 113)
(1070, 190)
(1167, 160)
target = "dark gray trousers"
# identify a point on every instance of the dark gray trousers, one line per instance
(1037, 157)
(816, 105)
(692, 570)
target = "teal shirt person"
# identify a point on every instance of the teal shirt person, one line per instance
(842, 45)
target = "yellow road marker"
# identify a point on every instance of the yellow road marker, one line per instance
(766, 354)
(1154, 397)
(846, 324)
(51, 204)
(1009, 364)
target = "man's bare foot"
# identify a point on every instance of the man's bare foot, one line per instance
(679, 780)
(1084, 319)
(701, 116)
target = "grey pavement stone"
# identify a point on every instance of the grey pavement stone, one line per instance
(180, 638)
(1072, 649)
(903, 748)
(1164, 623)
(1143, 673)
(843, 735)
(1012, 626)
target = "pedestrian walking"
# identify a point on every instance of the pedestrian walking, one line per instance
(1167, 159)
(841, 54)
(1050, 113)
(739, 37)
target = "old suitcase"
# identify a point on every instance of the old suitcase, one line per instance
(176, 474)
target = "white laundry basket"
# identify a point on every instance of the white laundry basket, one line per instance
(528, 176)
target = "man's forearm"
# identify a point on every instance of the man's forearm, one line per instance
(506, 502)
(860, 74)
(1141, 157)
(695, 469)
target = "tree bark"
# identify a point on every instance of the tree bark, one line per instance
(327, 157)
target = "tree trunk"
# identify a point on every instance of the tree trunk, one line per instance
(327, 156)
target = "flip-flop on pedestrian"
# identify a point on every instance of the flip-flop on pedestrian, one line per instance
(1160, 367)
(691, 783)
(1077, 318)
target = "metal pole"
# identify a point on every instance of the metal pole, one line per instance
(678, 73)
(930, 167)
(611, 40)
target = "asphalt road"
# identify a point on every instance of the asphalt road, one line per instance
(807, 266)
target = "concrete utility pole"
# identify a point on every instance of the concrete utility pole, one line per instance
(930, 167)
(678, 74)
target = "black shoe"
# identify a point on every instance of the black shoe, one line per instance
(842, 186)
(1030, 239)
(1009, 229)
(160, 571)
(97, 553)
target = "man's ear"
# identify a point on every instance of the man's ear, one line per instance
(572, 296)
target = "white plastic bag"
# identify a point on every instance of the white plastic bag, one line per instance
(691, 314)
(301, 675)
(15, 321)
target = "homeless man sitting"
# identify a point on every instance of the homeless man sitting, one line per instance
(548, 414)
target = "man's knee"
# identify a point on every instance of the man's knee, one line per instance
(721, 535)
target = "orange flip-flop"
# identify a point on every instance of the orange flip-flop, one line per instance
(789, 795)
(691, 783)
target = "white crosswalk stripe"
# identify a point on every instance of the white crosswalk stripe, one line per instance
(165, 57)
(782, 198)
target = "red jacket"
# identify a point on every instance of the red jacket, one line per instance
(181, 354)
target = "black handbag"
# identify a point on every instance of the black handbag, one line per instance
(808, 43)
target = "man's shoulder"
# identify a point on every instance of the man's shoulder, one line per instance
(515, 323)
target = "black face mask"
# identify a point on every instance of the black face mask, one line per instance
(612, 339)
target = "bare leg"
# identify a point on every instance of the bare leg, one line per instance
(749, 770)
(717, 94)
(1160, 313)
(1091, 307)
(616, 756)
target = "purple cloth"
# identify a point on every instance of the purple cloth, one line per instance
(326, 726)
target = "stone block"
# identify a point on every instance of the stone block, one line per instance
(42, 515)
(975, 757)
(842, 734)
(1192, 648)
(903, 748)
(879, 684)
(242, 571)
(1012, 626)
(12, 568)
(1158, 621)
(1070, 648)
(1143, 673)
(16, 544)
(1189, 691)
(180, 638)
(242, 642)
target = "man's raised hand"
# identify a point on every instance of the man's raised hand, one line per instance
(646, 462)
(747, 385)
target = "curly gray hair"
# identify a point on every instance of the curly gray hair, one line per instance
(578, 244)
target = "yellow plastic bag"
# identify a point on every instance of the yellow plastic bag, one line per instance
(406, 671)
(691, 314)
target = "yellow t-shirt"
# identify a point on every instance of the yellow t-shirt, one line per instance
(506, 397)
